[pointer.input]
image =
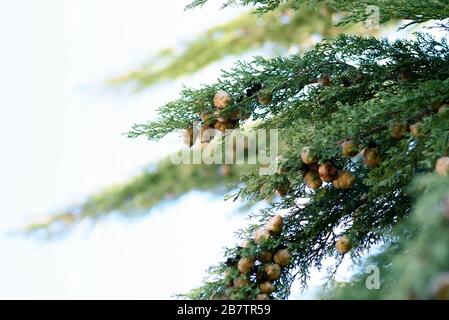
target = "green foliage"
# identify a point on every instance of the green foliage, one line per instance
(356, 10)
(363, 69)
(374, 84)
(410, 269)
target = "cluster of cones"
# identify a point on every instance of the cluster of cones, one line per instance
(264, 269)
(225, 116)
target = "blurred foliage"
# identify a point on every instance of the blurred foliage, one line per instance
(164, 182)
(276, 31)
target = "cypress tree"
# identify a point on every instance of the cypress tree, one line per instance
(364, 132)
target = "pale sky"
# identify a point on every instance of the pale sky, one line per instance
(61, 140)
